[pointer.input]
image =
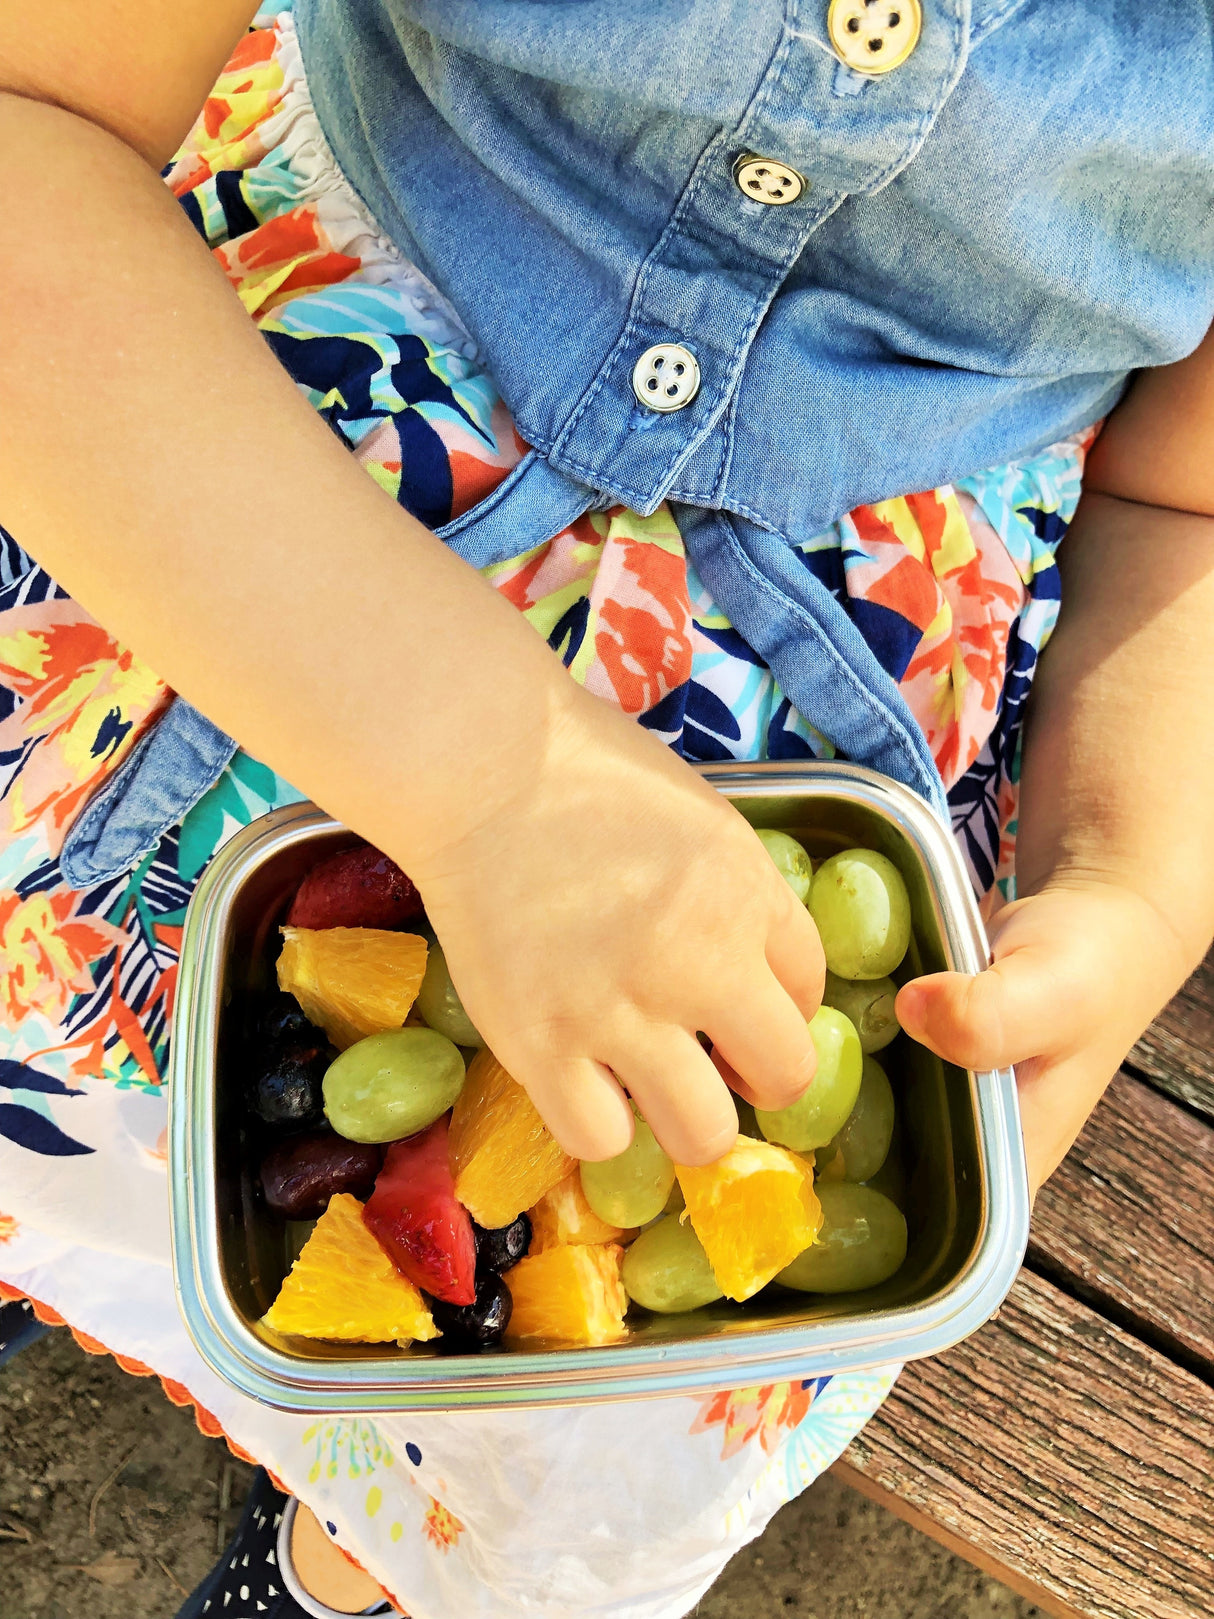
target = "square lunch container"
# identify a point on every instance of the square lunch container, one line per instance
(967, 1199)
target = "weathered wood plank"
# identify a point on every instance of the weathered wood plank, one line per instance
(1128, 1221)
(1042, 1601)
(1176, 1054)
(1062, 1453)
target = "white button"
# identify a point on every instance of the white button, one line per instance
(666, 377)
(874, 36)
(764, 180)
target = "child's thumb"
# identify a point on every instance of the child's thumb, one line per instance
(990, 1019)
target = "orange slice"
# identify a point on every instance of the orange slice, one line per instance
(563, 1217)
(754, 1210)
(572, 1294)
(503, 1155)
(352, 982)
(344, 1287)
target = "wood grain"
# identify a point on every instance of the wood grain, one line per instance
(1176, 1054)
(1060, 1452)
(917, 1519)
(1128, 1221)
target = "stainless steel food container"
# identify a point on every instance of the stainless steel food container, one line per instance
(966, 1190)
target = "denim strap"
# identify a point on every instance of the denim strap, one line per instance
(813, 648)
(786, 614)
(166, 774)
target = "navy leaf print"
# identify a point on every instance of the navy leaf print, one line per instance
(893, 639)
(728, 640)
(1049, 527)
(110, 734)
(667, 716)
(571, 624)
(826, 565)
(416, 382)
(704, 748)
(974, 803)
(193, 212)
(30, 1130)
(706, 710)
(425, 470)
(783, 743)
(14, 562)
(340, 366)
(17, 1077)
(238, 216)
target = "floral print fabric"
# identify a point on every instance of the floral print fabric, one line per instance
(956, 591)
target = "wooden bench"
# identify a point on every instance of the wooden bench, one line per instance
(1068, 1447)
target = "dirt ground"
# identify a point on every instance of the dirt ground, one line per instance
(113, 1506)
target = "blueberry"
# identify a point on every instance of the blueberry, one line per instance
(479, 1325)
(498, 1249)
(283, 1022)
(287, 1090)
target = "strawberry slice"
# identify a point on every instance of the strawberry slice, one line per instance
(355, 888)
(417, 1220)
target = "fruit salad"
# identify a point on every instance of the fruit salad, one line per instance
(426, 1200)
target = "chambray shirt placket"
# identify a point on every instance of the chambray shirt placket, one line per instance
(705, 287)
(711, 277)
(704, 290)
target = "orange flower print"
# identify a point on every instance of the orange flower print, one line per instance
(287, 255)
(228, 134)
(643, 641)
(86, 701)
(767, 1414)
(441, 1527)
(8, 1228)
(45, 953)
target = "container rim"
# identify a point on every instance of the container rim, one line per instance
(563, 1377)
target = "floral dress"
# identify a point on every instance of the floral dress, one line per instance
(625, 1509)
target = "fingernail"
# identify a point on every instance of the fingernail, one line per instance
(910, 1005)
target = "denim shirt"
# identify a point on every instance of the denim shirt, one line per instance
(986, 241)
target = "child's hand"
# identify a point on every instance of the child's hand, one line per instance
(609, 907)
(1078, 973)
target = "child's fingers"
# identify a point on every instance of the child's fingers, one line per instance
(732, 1078)
(683, 1099)
(1014, 1010)
(582, 1104)
(794, 954)
(1055, 1100)
(765, 1039)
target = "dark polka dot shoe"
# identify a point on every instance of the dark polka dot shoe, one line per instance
(254, 1579)
(19, 1327)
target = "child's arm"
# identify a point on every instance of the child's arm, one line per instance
(1115, 852)
(599, 904)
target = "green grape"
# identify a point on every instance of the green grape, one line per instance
(392, 1085)
(862, 911)
(813, 1119)
(439, 1003)
(631, 1188)
(869, 1003)
(667, 1270)
(790, 861)
(862, 1242)
(890, 1180)
(863, 1142)
(676, 1202)
(828, 1163)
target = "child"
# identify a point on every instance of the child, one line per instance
(744, 275)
